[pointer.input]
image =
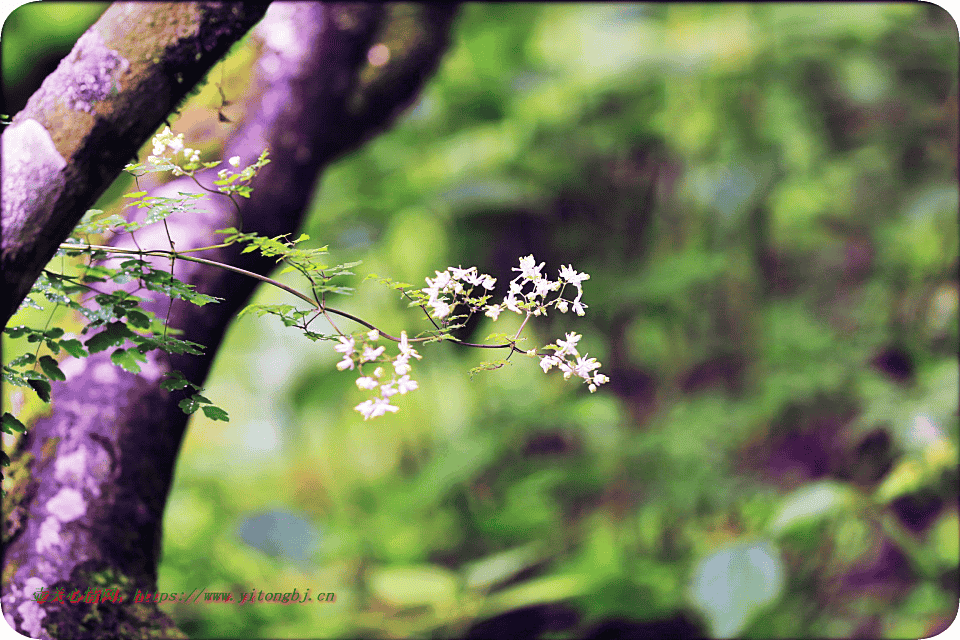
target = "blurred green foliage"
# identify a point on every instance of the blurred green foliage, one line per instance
(765, 197)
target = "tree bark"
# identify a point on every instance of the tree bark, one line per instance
(96, 472)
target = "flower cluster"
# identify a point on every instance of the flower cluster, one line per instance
(529, 294)
(564, 351)
(534, 301)
(164, 141)
(400, 382)
(447, 289)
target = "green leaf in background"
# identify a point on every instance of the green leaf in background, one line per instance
(404, 587)
(732, 585)
(809, 504)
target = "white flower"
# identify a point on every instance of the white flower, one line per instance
(387, 390)
(346, 345)
(459, 273)
(569, 274)
(562, 305)
(235, 161)
(441, 281)
(373, 336)
(578, 307)
(374, 408)
(493, 311)
(592, 387)
(366, 382)
(488, 282)
(406, 349)
(405, 384)
(544, 286)
(400, 365)
(529, 269)
(370, 354)
(346, 363)
(547, 362)
(584, 366)
(441, 309)
(569, 345)
(511, 303)
(378, 372)
(599, 378)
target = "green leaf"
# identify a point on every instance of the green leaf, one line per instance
(188, 405)
(42, 387)
(74, 348)
(418, 585)
(11, 424)
(215, 413)
(49, 366)
(174, 381)
(114, 334)
(810, 504)
(733, 585)
(126, 359)
(17, 332)
(27, 358)
(135, 194)
(138, 319)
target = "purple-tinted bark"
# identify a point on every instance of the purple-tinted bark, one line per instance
(103, 460)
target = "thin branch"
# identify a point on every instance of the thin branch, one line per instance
(322, 307)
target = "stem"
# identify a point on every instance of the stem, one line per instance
(279, 285)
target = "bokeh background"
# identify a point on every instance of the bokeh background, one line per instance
(766, 199)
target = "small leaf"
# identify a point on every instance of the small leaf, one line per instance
(49, 366)
(135, 194)
(138, 319)
(215, 413)
(114, 334)
(74, 348)
(42, 387)
(126, 359)
(188, 405)
(11, 424)
(17, 332)
(175, 381)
